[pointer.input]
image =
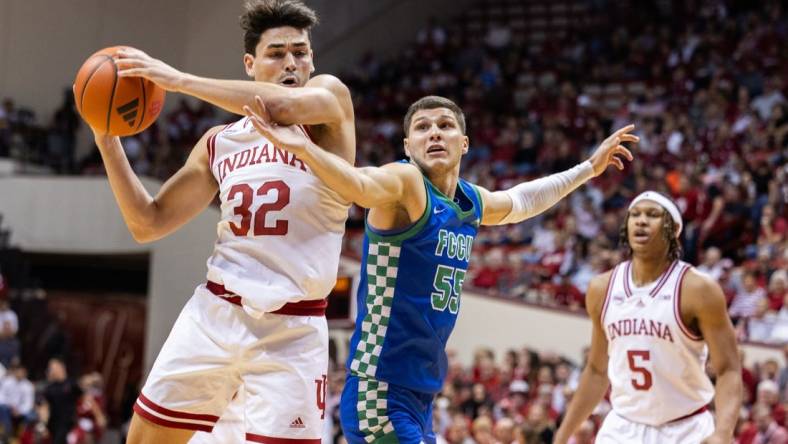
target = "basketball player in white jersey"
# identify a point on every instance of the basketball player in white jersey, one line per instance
(257, 324)
(656, 319)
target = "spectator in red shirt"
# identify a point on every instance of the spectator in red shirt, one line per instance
(748, 379)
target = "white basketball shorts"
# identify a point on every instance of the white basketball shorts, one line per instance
(216, 350)
(692, 430)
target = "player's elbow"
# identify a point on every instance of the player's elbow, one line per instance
(309, 107)
(597, 369)
(281, 110)
(729, 366)
(142, 235)
(143, 231)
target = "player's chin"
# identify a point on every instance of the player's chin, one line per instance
(638, 247)
(438, 164)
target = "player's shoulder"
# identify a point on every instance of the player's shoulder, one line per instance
(217, 129)
(695, 280)
(697, 286)
(408, 175)
(597, 291)
(205, 140)
(403, 168)
(600, 282)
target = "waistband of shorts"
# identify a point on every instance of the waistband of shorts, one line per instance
(690, 415)
(303, 308)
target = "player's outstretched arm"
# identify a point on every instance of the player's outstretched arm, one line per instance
(528, 199)
(593, 381)
(182, 196)
(703, 300)
(324, 100)
(367, 187)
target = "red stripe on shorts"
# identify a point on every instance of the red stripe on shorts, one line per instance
(171, 424)
(315, 307)
(172, 413)
(272, 440)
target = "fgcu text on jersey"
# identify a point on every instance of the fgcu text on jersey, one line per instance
(657, 366)
(409, 296)
(280, 234)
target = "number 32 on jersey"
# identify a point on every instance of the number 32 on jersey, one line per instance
(243, 209)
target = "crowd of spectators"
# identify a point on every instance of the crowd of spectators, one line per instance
(541, 84)
(704, 82)
(522, 396)
(54, 410)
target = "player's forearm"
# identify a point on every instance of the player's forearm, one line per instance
(233, 95)
(727, 401)
(592, 388)
(342, 177)
(532, 198)
(230, 95)
(136, 204)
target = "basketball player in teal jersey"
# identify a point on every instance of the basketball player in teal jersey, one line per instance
(420, 228)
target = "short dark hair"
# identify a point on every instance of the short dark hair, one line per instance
(432, 102)
(261, 15)
(669, 228)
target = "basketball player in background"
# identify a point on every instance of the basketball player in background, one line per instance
(258, 324)
(420, 228)
(656, 319)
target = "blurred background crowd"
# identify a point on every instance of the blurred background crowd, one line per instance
(541, 84)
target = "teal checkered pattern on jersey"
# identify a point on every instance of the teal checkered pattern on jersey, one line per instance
(372, 404)
(382, 267)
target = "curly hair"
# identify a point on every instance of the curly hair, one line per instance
(261, 15)
(669, 228)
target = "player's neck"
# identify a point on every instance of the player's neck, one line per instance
(446, 183)
(647, 270)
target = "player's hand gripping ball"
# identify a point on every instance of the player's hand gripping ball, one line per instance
(118, 106)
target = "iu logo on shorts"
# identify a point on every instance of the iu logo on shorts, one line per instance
(321, 396)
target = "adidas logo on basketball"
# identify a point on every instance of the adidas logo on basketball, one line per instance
(129, 111)
(297, 424)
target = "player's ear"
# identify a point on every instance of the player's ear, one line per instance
(465, 144)
(249, 65)
(311, 61)
(405, 145)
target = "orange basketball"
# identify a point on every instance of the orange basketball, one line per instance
(119, 106)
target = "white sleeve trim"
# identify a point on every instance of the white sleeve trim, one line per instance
(536, 196)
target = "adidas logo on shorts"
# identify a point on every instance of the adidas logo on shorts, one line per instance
(297, 424)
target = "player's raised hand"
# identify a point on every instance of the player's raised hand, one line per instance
(611, 151)
(132, 62)
(290, 137)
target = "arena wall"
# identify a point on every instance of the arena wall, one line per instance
(79, 215)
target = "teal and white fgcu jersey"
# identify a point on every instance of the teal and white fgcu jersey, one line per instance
(409, 292)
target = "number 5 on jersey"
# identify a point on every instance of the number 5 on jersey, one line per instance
(243, 210)
(637, 359)
(448, 286)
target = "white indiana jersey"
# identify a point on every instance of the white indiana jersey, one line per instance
(280, 235)
(656, 364)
